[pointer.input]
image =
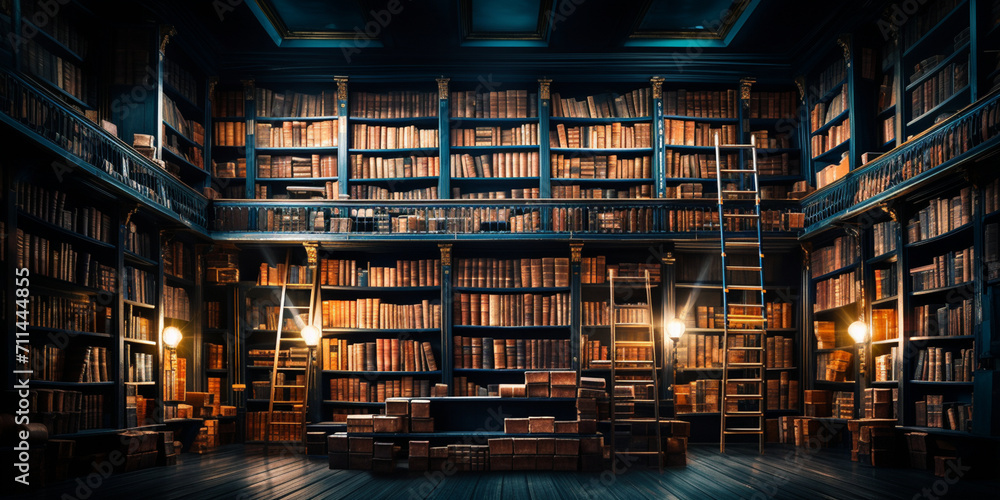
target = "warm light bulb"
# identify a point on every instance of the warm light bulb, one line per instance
(172, 336)
(311, 334)
(858, 331)
(675, 328)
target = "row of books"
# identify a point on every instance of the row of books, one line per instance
(512, 273)
(885, 366)
(262, 388)
(694, 166)
(293, 357)
(138, 285)
(940, 216)
(765, 139)
(76, 364)
(230, 170)
(140, 366)
(364, 136)
(577, 192)
(829, 78)
(176, 259)
(180, 80)
(474, 309)
(601, 167)
(826, 334)
(934, 364)
(214, 314)
(833, 366)
(935, 90)
(297, 134)
(257, 428)
(838, 291)
(393, 104)
(830, 173)
(139, 326)
(779, 352)
(831, 138)
(494, 104)
(595, 313)
(191, 154)
(216, 356)
(174, 376)
(782, 393)
(68, 313)
(60, 261)
(373, 313)
(700, 103)
(596, 270)
(934, 412)
(262, 316)
(614, 135)
(365, 390)
(515, 193)
(823, 112)
(687, 191)
(280, 274)
(692, 133)
(52, 206)
(345, 272)
(496, 165)
(524, 135)
(138, 242)
(61, 72)
(271, 104)
(991, 251)
(296, 167)
(499, 354)
(842, 253)
(884, 237)
(699, 396)
(884, 324)
(950, 269)
(381, 193)
(378, 167)
(695, 350)
(991, 197)
(228, 104)
(779, 315)
(383, 354)
(944, 320)
(593, 353)
(774, 105)
(888, 132)
(634, 104)
(176, 303)
(191, 129)
(68, 412)
(931, 14)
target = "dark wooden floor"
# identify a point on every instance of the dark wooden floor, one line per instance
(245, 473)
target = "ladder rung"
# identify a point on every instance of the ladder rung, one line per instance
(745, 365)
(743, 430)
(746, 348)
(742, 243)
(757, 306)
(746, 287)
(743, 268)
(746, 330)
(643, 361)
(634, 342)
(747, 320)
(295, 368)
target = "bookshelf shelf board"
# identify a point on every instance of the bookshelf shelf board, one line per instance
(176, 320)
(401, 289)
(182, 420)
(886, 342)
(941, 290)
(884, 383)
(704, 149)
(541, 289)
(624, 369)
(295, 118)
(74, 100)
(394, 180)
(85, 433)
(566, 119)
(888, 257)
(832, 382)
(942, 383)
(930, 114)
(604, 151)
(782, 330)
(52, 42)
(884, 300)
(38, 223)
(833, 154)
(885, 113)
(183, 100)
(933, 31)
(515, 328)
(457, 122)
(339, 331)
(426, 120)
(782, 369)
(224, 417)
(493, 180)
(839, 348)
(486, 149)
(941, 337)
(294, 179)
(831, 123)
(139, 341)
(228, 119)
(963, 50)
(176, 280)
(349, 403)
(834, 309)
(383, 373)
(994, 281)
(704, 330)
(711, 286)
(481, 434)
(890, 144)
(176, 158)
(698, 414)
(788, 411)
(835, 272)
(689, 370)
(943, 432)
(300, 149)
(395, 151)
(216, 370)
(992, 214)
(134, 258)
(562, 181)
(185, 139)
(135, 303)
(139, 383)
(69, 333)
(53, 383)
(944, 236)
(701, 119)
(495, 399)
(834, 90)
(505, 370)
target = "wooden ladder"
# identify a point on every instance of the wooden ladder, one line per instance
(745, 318)
(637, 329)
(277, 431)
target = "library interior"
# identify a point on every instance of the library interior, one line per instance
(500, 249)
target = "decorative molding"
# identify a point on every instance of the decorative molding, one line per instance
(248, 86)
(668, 259)
(807, 248)
(212, 82)
(800, 82)
(845, 44)
(443, 88)
(657, 82)
(575, 252)
(745, 84)
(341, 87)
(445, 253)
(311, 253)
(543, 88)
(166, 31)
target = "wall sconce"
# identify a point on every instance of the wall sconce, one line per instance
(172, 336)
(675, 329)
(859, 333)
(311, 335)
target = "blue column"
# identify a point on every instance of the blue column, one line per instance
(659, 176)
(444, 140)
(544, 158)
(575, 283)
(447, 357)
(343, 141)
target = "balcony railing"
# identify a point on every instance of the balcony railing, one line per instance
(965, 135)
(99, 153)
